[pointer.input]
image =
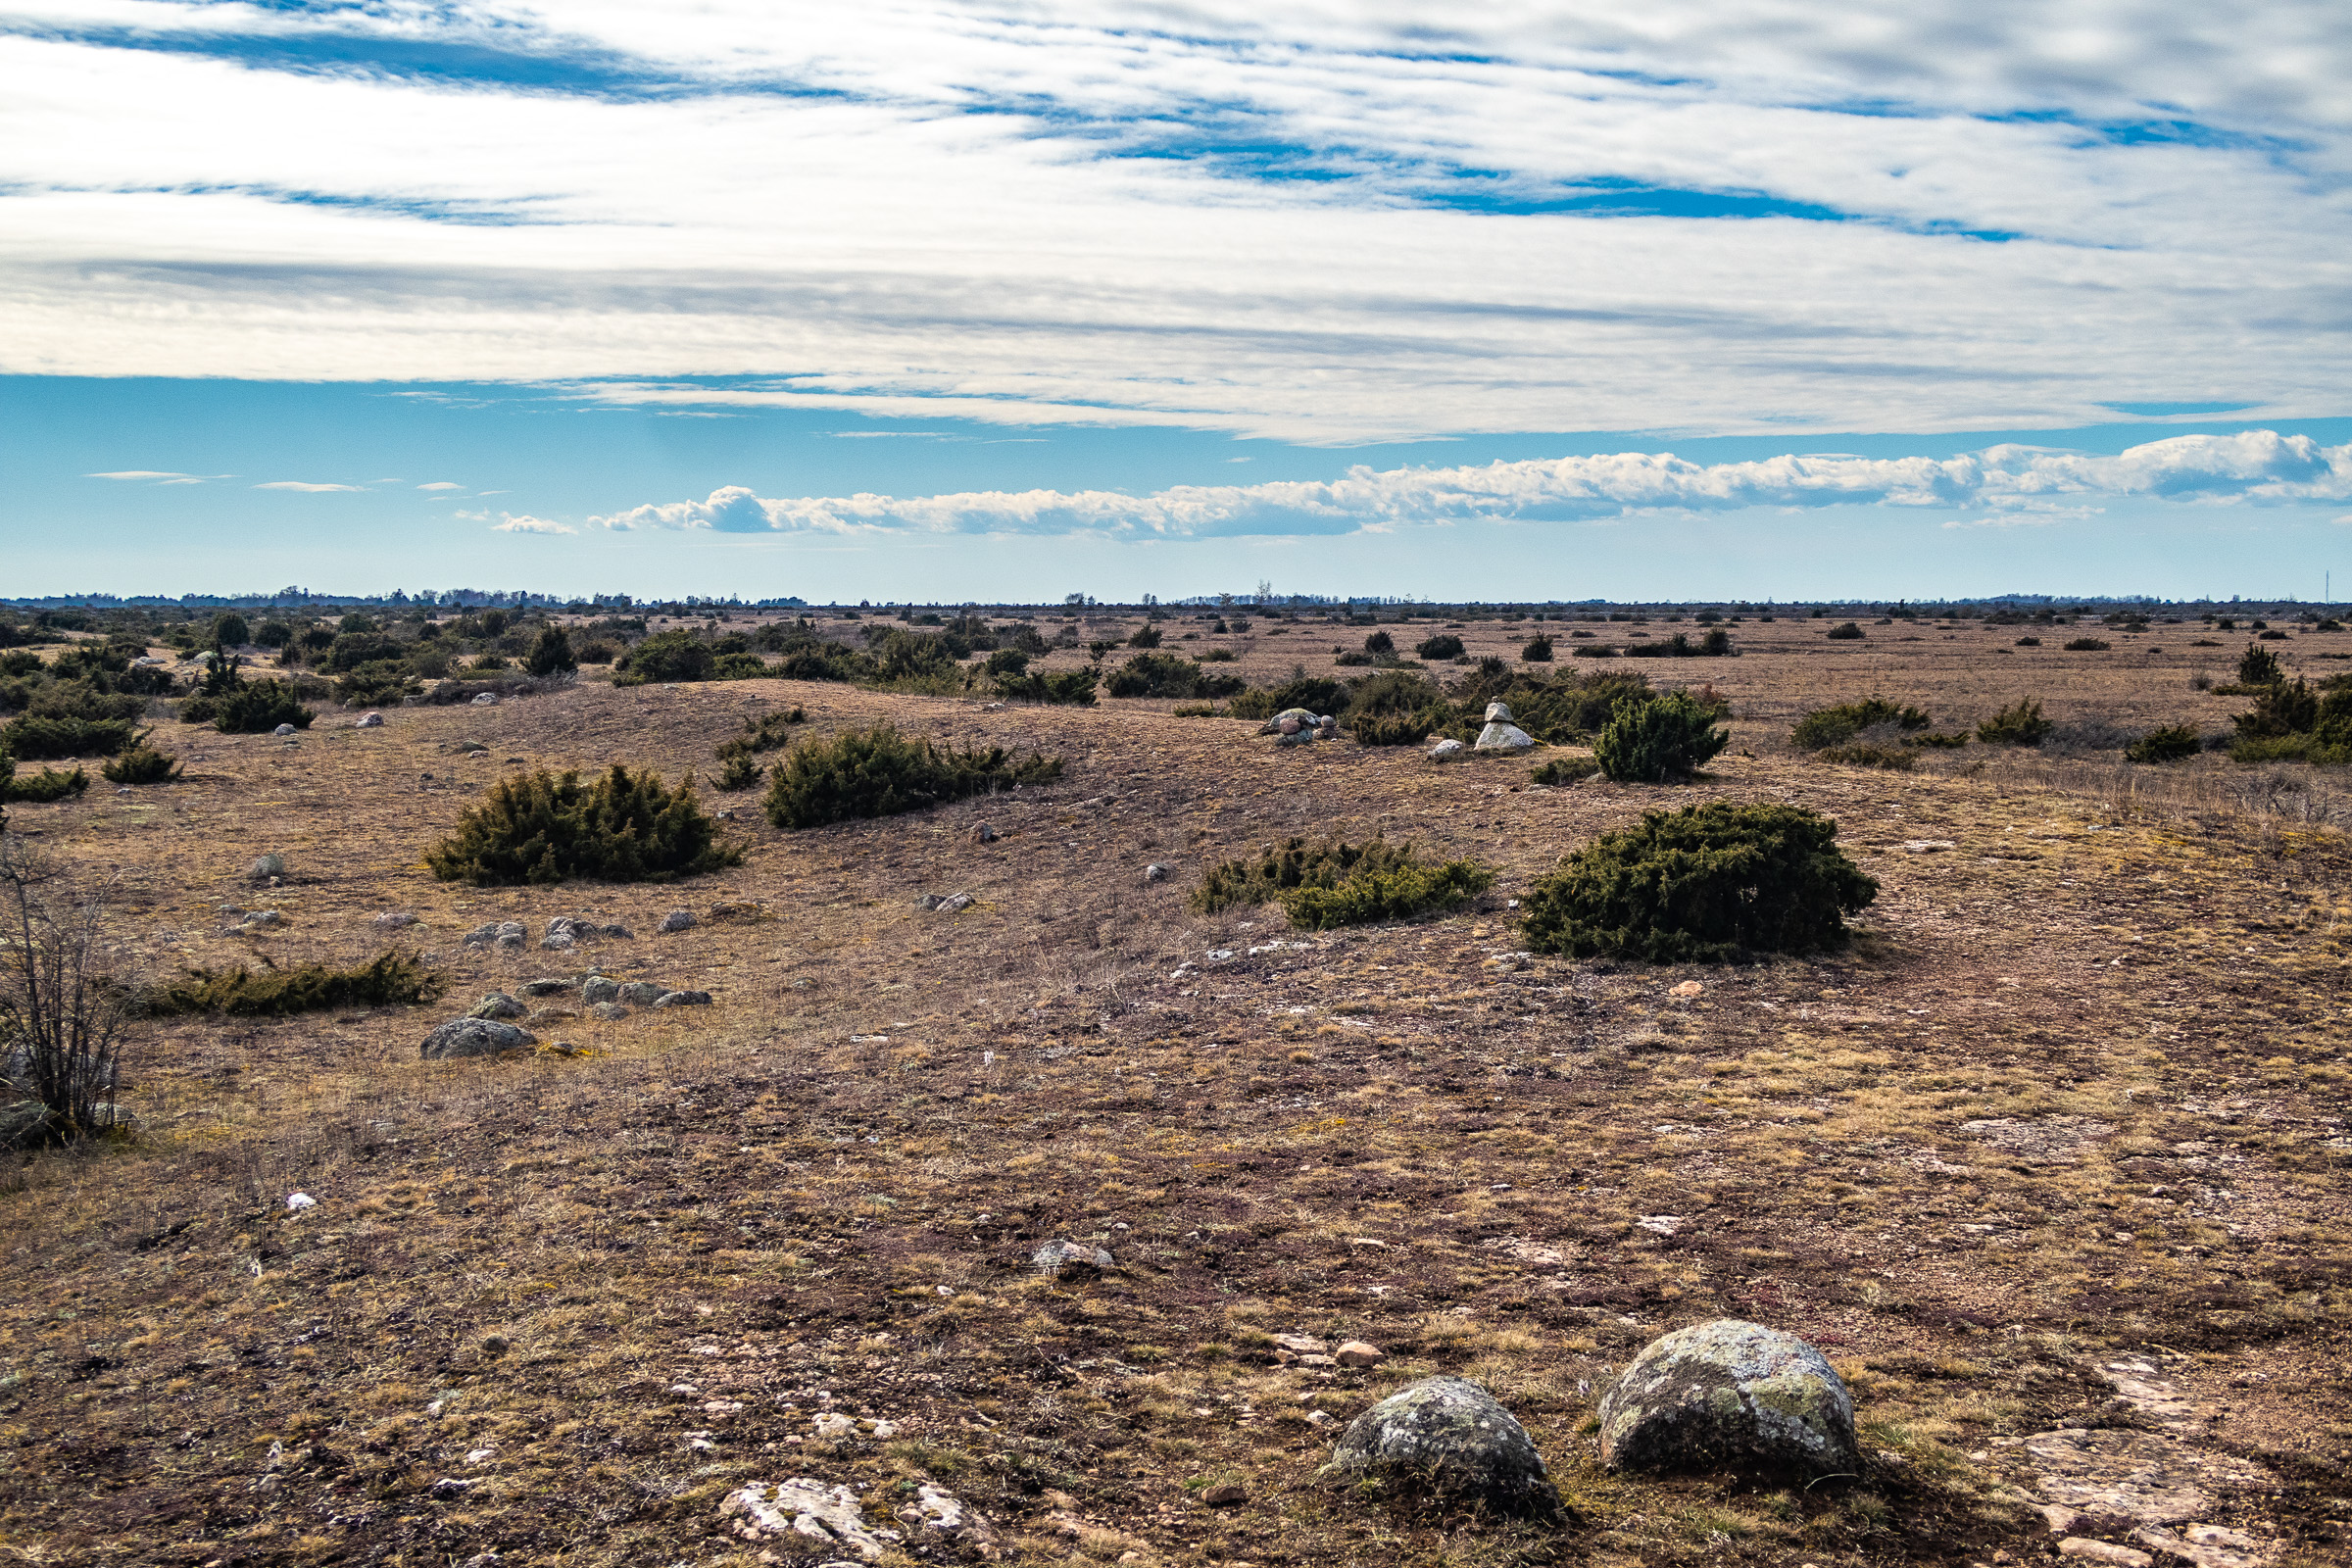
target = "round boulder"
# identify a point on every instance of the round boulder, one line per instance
(474, 1037)
(1729, 1394)
(1450, 1438)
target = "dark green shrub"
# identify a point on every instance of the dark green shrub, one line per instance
(738, 667)
(1317, 693)
(1846, 631)
(1870, 754)
(770, 732)
(2019, 724)
(549, 827)
(1006, 663)
(1833, 726)
(1564, 770)
(1444, 645)
(550, 654)
(2170, 744)
(1707, 884)
(230, 627)
(2028, 642)
(1069, 686)
(1937, 743)
(370, 685)
(1350, 660)
(1159, 675)
(393, 979)
(596, 651)
(1394, 729)
(2086, 645)
(1658, 739)
(1379, 643)
(824, 662)
(41, 788)
(1536, 650)
(36, 736)
(1595, 649)
(257, 708)
(141, 764)
(905, 656)
(1297, 863)
(739, 771)
(879, 772)
(666, 656)
(1399, 893)
(1214, 656)
(2259, 666)
(1145, 637)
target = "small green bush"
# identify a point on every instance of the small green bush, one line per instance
(1380, 643)
(666, 656)
(2259, 666)
(41, 788)
(141, 764)
(2086, 645)
(1595, 649)
(2170, 744)
(1564, 770)
(1385, 874)
(1707, 884)
(1942, 743)
(2019, 724)
(1835, 726)
(544, 827)
(739, 771)
(1536, 650)
(739, 666)
(1444, 645)
(1317, 693)
(1394, 729)
(1869, 754)
(877, 771)
(1846, 631)
(38, 736)
(1067, 687)
(372, 685)
(393, 979)
(256, 708)
(2028, 642)
(1145, 637)
(770, 732)
(1166, 675)
(1399, 893)
(550, 654)
(1658, 739)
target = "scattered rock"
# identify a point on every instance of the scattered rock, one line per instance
(1659, 1224)
(2039, 1139)
(1929, 846)
(263, 917)
(609, 1011)
(485, 700)
(945, 904)
(1155, 872)
(984, 834)
(739, 910)
(2205, 1545)
(267, 866)
(544, 988)
(821, 1516)
(1448, 1437)
(2136, 1477)
(1356, 1353)
(474, 1037)
(369, 720)
(1299, 1344)
(1447, 750)
(395, 920)
(1505, 738)
(557, 941)
(1225, 1495)
(1055, 1255)
(282, 731)
(945, 1514)
(595, 988)
(642, 992)
(296, 1202)
(498, 933)
(498, 1004)
(677, 920)
(683, 998)
(1730, 1394)
(1689, 988)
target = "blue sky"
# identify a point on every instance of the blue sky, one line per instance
(938, 300)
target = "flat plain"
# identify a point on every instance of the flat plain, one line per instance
(2058, 1145)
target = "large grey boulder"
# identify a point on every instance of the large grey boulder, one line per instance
(1730, 1394)
(474, 1037)
(1448, 1437)
(1501, 737)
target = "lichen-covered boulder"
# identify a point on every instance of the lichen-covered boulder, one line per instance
(474, 1037)
(1729, 1394)
(1504, 737)
(1450, 1438)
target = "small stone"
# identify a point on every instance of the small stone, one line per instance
(683, 998)
(498, 1004)
(955, 903)
(609, 1011)
(1155, 872)
(984, 834)
(485, 700)
(679, 921)
(395, 919)
(1225, 1495)
(296, 1202)
(1931, 846)
(1499, 713)
(1356, 1353)
(369, 720)
(1447, 750)
(544, 988)
(643, 993)
(599, 989)
(282, 731)
(1056, 1255)
(474, 1037)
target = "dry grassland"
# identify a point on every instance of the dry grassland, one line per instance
(557, 1308)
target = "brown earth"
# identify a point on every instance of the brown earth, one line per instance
(557, 1308)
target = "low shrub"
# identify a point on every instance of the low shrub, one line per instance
(1168, 675)
(370, 685)
(2086, 645)
(824, 662)
(1846, 631)
(34, 737)
(1658, 740)
(596, 651)
(877, 771)
(1716, 644)
(739, 771)
(1596, 650)
(2019, 724)
(1214, 656)
(552, 654)
(1352, 660)
(1145, 637)
(544, 827)
(1564, 770)
(2169, 744)
(41, 788)
(1379, 643)
(2028, 642)
(1394, 729)
(2259, 666)
(1871, 753)
(1444, 645)
(141, 764)
(739, 666)
(1537, 651)
(393, 979)
(666, 656)
(1067, 686)
(1318, 694)
(770, 732)
(1707, 884)
(1944, 743)
(1399, 893)
(1837, 724)
(1324, 866)
(256, 708)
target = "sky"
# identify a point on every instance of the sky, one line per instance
(944, 301)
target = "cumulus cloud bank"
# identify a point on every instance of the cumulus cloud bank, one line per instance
(2254, 467)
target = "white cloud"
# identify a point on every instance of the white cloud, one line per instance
(2259, 467)
(441, 484)
(956, 222)
(513, 523)
(307, 486)
(140, 473)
